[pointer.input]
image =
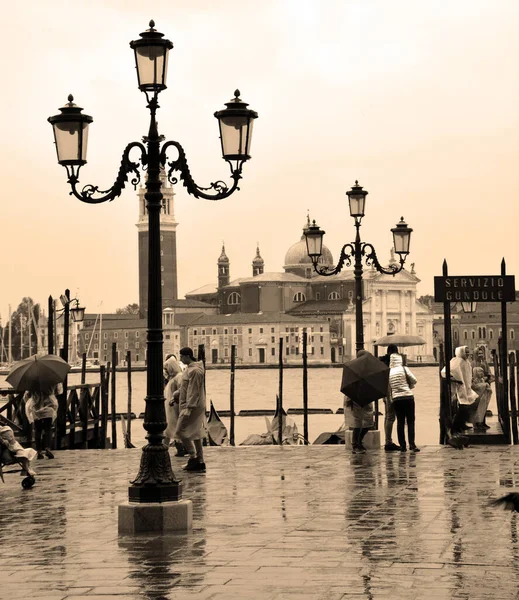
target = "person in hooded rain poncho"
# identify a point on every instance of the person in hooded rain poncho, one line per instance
(191, 420)
(173, 376)
(461, 388)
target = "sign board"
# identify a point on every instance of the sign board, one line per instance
(474, 288)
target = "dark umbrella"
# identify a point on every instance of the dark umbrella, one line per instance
(38, 373)
(365, 379)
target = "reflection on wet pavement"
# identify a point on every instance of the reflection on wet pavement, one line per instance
(272, 523)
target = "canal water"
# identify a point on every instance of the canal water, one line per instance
(257, 389)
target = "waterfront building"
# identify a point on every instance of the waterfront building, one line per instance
(479, 328)
(390, 304)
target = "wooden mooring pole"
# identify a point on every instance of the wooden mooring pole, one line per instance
(83, 368)
(129, 407)
(305, 387)
(113, 398)
(280, 395)
(231, 400)
(513, 398)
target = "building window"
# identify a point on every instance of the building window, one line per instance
(287, 351)
(313, 350)
(512, 334)
(136, 358)
(126, 345)
(105, 336)
(105, 346)
(234, 298)
(226, 352)
(334, 296)
(473, 334)
(225, 331)
(465, 335)
(250, 340)
(491, 334)
(261, 329)
(96, 336)
(96, 346)
(318, 295)
(137, 334)
(137, 345)
(116, 335)
(168, 336)
(286, 339)
(273, 351)
(203, 331)
(214, 331)
(320, 329)
(272, 330)
(322, 350)
(87, 336)
(455, 334)
(235, 331)
(350, 294)
(484, 333)
(299, 297)
(250, 351)
(297, 350)
(126, 334)
(273, 339)
(322, 338)
(195, 332)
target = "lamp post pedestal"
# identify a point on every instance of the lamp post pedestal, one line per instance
(160, 517)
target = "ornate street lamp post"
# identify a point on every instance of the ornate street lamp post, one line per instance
(155, 481)
(358, 250)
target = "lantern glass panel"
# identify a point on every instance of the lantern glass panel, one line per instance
(236, 135)
(402, 241)
(71, 140)
(357, 204)
(78, 314)
(152, 63)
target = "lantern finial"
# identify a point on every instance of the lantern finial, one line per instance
(70, 98)
(152, 24)
(236, 93)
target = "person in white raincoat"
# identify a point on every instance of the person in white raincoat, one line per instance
(191, 420)
(461, 385)
(173, 373)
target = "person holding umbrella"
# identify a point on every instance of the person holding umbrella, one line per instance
(358, 407)
(401, 382)
(389, 417)
(39, 376)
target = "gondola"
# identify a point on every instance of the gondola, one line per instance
(216, 430)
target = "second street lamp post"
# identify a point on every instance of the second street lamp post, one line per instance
(358, 250)
(155, 481)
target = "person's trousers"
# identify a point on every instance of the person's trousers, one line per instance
(461, 417)
(389, 420)
(43, 433)
(405, 413)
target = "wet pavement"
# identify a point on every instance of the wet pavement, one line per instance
(305, 523)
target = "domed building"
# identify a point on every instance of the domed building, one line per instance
(307, 301)
(299, 263)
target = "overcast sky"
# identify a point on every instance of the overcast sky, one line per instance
(417, 100)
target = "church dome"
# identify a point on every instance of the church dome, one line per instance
(297, 254)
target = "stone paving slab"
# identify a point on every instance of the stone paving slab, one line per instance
(305, 523)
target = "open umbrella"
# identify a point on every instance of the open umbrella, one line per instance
(401, 339)
(38, 373)
(365, 379)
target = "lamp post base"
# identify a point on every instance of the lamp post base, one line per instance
(157, 493)
(150, 517)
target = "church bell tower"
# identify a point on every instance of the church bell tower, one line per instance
(168, 247)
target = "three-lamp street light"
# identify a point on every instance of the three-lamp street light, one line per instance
(358, 250)
(155, 481)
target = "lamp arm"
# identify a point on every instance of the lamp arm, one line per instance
(370, 255)
(180, 165)
(127, 167)
(347, 253)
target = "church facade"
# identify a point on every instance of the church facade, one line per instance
(390, 304)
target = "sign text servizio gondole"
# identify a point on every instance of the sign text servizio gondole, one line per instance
(475, 288)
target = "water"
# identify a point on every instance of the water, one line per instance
(257, 388)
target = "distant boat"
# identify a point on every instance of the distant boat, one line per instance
(290, 435)
(216, 430)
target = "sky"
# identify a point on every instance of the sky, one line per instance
(416, 100)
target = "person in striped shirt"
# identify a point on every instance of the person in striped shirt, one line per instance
(401, 382)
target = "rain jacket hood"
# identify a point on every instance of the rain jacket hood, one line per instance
(461, 374)
(172, 367)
